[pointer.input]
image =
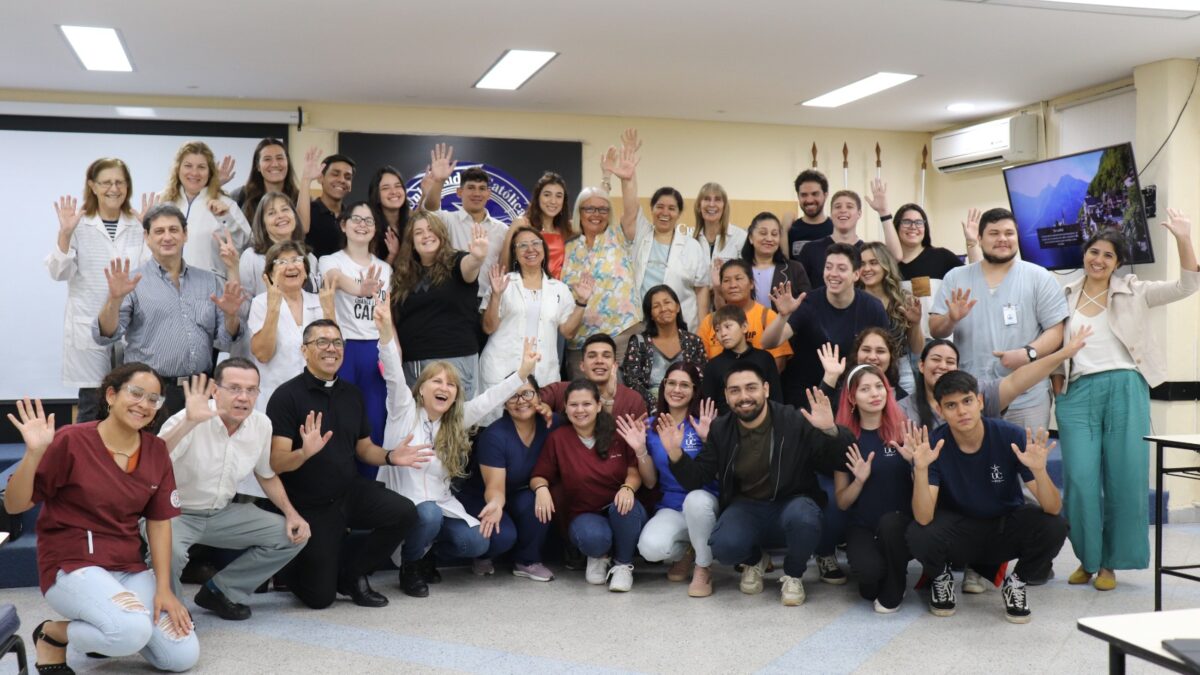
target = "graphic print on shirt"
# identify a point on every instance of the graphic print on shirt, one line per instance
(997, 474)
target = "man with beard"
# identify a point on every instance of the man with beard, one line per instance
(337, 177)
(1003, 313)
(765, 457)
(811, 188)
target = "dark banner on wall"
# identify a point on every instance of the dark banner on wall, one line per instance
(513, 165)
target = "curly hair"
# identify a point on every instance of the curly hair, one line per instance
(452, 444)
(409, 271)
(892, 290)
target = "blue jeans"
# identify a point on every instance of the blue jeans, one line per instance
(453, 536)
(833, 530)
(107, 620)
(747, 526)
(360, 367)
(595, 534)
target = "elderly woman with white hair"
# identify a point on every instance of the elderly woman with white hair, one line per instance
(605, 253)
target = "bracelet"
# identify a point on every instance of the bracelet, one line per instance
(581, 304)
(626, 486)
(884, 219)
(387, 457)
(540, 487)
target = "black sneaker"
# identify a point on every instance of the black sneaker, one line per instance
(412, 582)
(1016, 602)
(827, 566)
(218, 603)
(941, 594)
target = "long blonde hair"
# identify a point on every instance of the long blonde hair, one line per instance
(409, 271)
(452, 445)
(171, 192)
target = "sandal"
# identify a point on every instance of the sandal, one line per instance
(56, 668)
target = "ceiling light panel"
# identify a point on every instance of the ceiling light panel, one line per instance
(514, 69)
(1155, 9)
(98, 49)
(860, 89)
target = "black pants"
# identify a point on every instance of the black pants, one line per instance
(328, 558)
(1028, 534)
(879, 559)
(89, 405)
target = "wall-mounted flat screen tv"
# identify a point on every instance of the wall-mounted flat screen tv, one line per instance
(1059, 203)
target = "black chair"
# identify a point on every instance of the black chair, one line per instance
(10, 623)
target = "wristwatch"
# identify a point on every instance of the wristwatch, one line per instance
(1031, 353)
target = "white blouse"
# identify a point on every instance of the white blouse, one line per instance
(521, 309)
(735, 238)
(201, 250)
(429, 482)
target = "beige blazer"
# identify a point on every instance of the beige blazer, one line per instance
(1129, 303)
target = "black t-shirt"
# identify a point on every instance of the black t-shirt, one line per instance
(889, 487)
(801, 232)
(817, 322)
(324, 237)
(440, 322)
(986, 483)
(327, 475)
(812, 256)
(933, 263)
(715, 369)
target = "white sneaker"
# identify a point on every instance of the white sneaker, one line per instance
(620, 578)
(792, 593)
(880, 609)
(752, 575)
(597, 570)
(973, 583)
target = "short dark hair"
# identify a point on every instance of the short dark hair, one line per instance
(839, 248)
(163, 211)
(739, 263)
(233, 362)
(600, 337)
(812, 176)
(347, 211)
(319, 323)
(955, 382)
(474, 175)
(1113, 236)
(745, 366)
(728, 313)
(336, 157)
(664, 192)
(994, 216)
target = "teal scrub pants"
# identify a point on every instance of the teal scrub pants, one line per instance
(1102, 420)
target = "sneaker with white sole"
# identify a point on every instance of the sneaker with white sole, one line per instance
(620, 578)
(752, 576)
(1016, 602)
(880, 609)
(973, 582)
(792, 591)
(535, 571)
(483, 567)
(830, 572)
(942, 600)
(597, 570)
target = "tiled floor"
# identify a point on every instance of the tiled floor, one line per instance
(504, 624)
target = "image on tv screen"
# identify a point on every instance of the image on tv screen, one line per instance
(1059, 203)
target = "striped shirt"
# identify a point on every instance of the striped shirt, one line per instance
(173, 330)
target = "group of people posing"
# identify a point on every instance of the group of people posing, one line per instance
(333, 386)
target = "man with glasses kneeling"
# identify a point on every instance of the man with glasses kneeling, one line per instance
(320, 426)
(215, 442)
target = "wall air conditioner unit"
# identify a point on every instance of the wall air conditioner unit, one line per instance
(1003, 141)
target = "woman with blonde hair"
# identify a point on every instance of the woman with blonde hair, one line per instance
(435, 292)
(217, 230)
(721, 239)
(880, 277)
(435, 412)
(110, 229)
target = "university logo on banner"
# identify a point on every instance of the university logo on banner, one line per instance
(509, 198)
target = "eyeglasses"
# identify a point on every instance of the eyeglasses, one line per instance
(238, 391)
(280, 262)
(361, 220)
(601, 210)
(110, 184)
(526, 245)
(138, 395)
(914, 224)
(522, 396)
(678, 384)
(326, 343)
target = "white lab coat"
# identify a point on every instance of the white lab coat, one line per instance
(85, 363)
(735, 238)
(502, 354)
(201, 251)
(687, 267)
(430, 482)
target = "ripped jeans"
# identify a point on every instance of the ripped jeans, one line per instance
(110, 614)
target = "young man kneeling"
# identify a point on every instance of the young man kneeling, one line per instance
(972, 463)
